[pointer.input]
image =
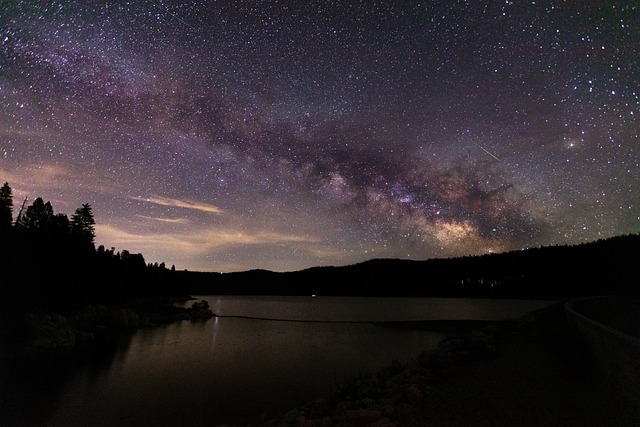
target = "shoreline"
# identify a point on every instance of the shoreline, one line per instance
(37, 330)
(530, 371)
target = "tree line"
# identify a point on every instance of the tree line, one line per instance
(39, 219)
(49, 259)
(602, 267)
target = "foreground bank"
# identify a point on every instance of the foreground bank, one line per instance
(530, 372)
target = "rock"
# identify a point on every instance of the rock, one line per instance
(200, 305)
(200, 310)
(388, 410)
(84, 337)
(92, 317)
(414, 393)
(383, 422)
(125, 318)
(405, 409)
(315, 409)
(50, 330)
(291, 416)
(362, 417)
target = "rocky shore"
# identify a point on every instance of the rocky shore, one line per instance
(532, 371)
(393, 395)
(37, 330)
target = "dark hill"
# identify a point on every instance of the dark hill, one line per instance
(608, 266)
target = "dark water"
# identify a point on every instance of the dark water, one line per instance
(229, 369)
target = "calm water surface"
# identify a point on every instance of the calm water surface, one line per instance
(230, 369)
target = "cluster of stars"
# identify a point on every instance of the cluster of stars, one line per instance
(224, 136)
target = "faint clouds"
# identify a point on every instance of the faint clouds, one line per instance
(194, 242)
(202, 207)
(225, 237)
(167, 220)
(47, 172)
(38, 175)
(145, 242)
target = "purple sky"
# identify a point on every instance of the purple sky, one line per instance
(231, 135)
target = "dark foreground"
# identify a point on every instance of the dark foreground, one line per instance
(530, 372)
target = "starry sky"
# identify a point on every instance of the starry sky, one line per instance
(233, 135)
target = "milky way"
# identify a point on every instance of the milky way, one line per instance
(231, 135)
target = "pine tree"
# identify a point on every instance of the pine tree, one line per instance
(37, 216)
(82, 224)
(6, 206)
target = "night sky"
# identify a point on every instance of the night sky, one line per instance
(232, 135)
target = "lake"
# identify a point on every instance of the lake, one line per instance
(233, 368)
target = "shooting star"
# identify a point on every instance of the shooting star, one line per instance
(166, 9)
(486, 151)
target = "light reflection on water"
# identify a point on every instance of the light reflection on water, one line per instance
(231, 370)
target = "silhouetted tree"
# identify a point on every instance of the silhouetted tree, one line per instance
(37, 216)
(82, 224)
(47, 260)
(137, 261)
(20, 213)
(6, 206)
(61, 223)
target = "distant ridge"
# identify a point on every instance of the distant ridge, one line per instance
(606, 266)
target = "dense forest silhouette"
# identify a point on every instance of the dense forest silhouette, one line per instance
(49, 260)
(604, 267)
